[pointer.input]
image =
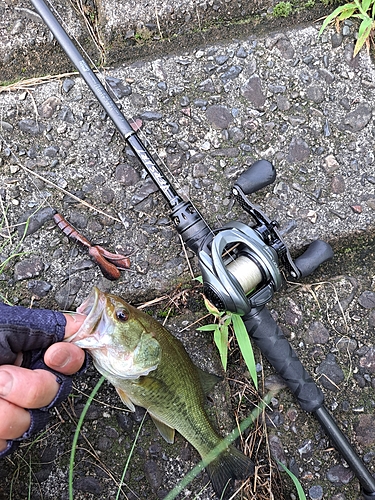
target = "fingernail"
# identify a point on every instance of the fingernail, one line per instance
(60, 358)
(6, 383)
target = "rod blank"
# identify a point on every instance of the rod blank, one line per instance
(110, 107)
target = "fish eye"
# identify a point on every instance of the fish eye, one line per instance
(121, 315)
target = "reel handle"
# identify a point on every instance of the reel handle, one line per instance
(259, 175)
(318, 252)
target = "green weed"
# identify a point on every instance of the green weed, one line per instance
(143, 35)
(221, 329)
(282, 9)
(364, 11)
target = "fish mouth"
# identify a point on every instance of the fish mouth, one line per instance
(97, 335)
(94, 308)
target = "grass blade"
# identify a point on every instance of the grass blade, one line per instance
(76, 434)
(297, 484)
(245, 346)
(129, 456)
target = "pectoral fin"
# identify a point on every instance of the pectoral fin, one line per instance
(125, 399)
(164, 429)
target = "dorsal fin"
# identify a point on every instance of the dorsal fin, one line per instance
(208, 380)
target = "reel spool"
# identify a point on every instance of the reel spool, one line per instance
(241, 271)
(240, 264)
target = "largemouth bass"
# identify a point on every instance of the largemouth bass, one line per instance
(150, 368)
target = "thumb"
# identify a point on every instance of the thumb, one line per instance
(64, 358)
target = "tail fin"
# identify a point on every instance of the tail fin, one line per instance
(228, 466)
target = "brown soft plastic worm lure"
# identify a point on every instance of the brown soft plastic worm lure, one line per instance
(110, 263)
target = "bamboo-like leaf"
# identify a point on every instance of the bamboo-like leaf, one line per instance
(363, 34)
(359, 7)
(346, 14)
(366, 5)
(221, 341)
(208, 328)
(227, 320)
(336, 13)
(224, 343)
(245, 346)
(297, 484)
(364, 27)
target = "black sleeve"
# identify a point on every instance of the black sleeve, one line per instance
(31, 331)
(23, 329)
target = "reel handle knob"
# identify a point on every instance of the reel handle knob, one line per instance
(259, 175)
(318, 252)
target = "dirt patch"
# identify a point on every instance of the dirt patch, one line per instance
(31, 52)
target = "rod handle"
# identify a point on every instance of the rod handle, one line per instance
(270, 339)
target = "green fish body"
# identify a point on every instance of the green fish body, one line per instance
(150, 368)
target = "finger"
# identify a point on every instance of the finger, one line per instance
(64, 358)
(27, 388)
(73, 323)
(14, 422)
(3, 444)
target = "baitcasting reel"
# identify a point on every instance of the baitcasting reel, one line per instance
(240, 264)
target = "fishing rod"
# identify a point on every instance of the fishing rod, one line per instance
(240, 264)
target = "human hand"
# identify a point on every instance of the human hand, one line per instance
(26, 394)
